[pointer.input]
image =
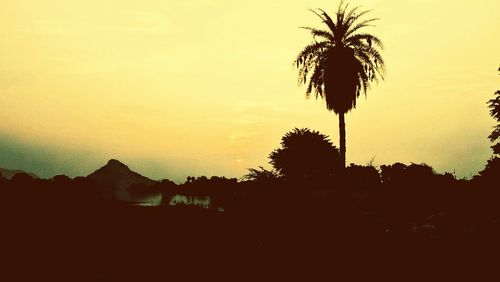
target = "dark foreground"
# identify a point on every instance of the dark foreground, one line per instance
(403, 221)
(140, 244)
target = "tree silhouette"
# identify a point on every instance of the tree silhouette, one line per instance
(305, 155)
(492, 169)
(494, 105)
(341, 62)
(261, 175)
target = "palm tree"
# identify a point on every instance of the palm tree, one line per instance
(341, 62)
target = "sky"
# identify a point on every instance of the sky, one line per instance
(196, 87)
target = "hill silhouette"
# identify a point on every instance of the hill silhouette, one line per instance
(9, 173)
(115, 179)
(117, 174)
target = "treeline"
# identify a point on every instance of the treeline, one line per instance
(394, 197)
(63, 226)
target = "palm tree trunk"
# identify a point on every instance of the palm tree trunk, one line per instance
(342, 138)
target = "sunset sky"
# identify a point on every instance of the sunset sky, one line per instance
(196, 87)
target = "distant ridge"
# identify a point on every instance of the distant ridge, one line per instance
(9, 173)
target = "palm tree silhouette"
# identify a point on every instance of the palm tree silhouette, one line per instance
(341, 62)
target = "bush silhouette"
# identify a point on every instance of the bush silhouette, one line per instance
(305, 155)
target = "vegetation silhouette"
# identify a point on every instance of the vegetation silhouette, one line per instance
(494, 106)
(310, 208)
(265, 214)
(342, 63)
(305, 155)
(490, 175)
(261, 175)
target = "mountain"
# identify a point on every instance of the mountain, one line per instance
(118, 175)
(8, 173)
(115, 178)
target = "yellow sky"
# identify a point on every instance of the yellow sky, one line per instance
(183, 87)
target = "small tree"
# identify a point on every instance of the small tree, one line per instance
(305, 155)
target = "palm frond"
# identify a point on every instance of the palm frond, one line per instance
(326, 19)
(360, 25)
(378, 60)
(309, 51)
(369, 38)
(351, 14)
(305, 70)
(316, 82)
(364, 82)
(375, 70)
(354, 17)
(320, 33)
(341, 11)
